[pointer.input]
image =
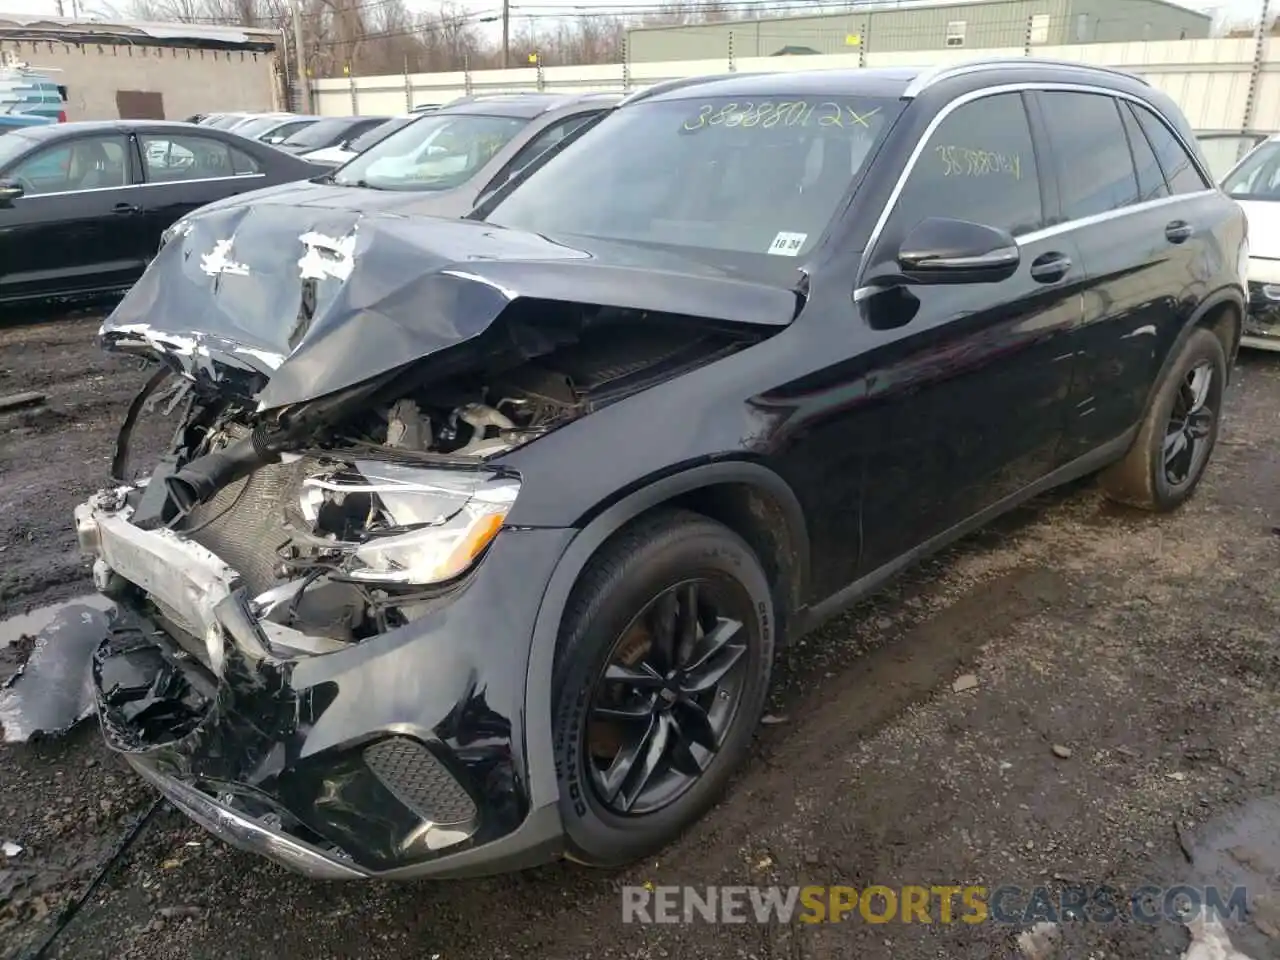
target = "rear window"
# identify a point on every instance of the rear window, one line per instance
(757, 180)
(12, 144)
(319, 134)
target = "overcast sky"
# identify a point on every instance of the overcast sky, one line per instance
(1233, 9)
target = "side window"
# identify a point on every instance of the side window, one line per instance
(979, 165)
(1094, 166)
(1179, 170)
(170, 159)
(89, 163)
(243, 164)
(546, 139)
(1151, 185)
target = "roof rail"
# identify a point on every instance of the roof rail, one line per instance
(665, 86)
(928, 78)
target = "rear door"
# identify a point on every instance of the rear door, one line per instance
(184, 171)
(77, 227)
(1142, 230)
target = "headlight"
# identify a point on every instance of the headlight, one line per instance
(392, 523)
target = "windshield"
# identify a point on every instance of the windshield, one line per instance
(251, 128)
(435, 152)
(367, 139)
(319, 134)
(718, 176)
(12, 144)
(1258, 176)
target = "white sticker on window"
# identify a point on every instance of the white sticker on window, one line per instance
(787, 244)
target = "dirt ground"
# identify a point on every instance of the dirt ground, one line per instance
(1123, 728)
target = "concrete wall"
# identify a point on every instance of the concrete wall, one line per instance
(995, 23)
(190, 81)
(1210, 79)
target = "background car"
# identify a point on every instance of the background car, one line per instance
(28, 99)
(255, 124)
(83, 205)
(453, 156)
(1254, 183)
(328, 132)
(1223, 150)
(285, 129)
(349, 150)
(225, 121)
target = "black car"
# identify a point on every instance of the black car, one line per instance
(481, 535)
(83, 205)
(328, 132)
(441, 163)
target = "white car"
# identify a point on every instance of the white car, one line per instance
(337, 156)
(1254, 183)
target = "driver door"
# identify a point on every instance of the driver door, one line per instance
(77, 226)
(973, 377)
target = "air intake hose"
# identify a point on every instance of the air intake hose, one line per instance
(200, 480)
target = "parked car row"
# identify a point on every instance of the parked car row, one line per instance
(527, 437)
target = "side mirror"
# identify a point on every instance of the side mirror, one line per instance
(10, 191)
(939, 250)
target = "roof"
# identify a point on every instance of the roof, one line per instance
(526, 105)
(55, 130)
(888, 6)
(905, 82)
(16, 26)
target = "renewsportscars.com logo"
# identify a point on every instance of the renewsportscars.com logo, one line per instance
(1012, 905)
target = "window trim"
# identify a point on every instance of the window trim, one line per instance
(954, 104)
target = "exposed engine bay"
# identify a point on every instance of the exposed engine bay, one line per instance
(347, 526)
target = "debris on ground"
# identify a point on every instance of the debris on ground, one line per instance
(14, 401)
(10, 849)
(1061, 752)
(1209, 940)
(1040, 942)
(966, 681)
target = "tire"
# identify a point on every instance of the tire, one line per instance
(1141, 478)
(659, 554)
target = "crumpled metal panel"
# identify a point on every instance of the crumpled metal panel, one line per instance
(297, 292)
(49, 692)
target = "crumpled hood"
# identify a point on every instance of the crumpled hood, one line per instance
(295, 287)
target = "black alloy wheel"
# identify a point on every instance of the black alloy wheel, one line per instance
(1177, 435)
(663, 704)
(1186, 440)
(661, 676)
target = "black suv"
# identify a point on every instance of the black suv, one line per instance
(478, 537)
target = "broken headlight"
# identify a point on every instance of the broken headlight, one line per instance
(408, 525)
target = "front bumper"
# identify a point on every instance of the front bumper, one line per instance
(400, 756)
(1262, 323)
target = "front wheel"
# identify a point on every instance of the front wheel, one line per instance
(1178, 435)
(661, 677)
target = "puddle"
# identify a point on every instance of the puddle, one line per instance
(1241, 849)
(44, 666)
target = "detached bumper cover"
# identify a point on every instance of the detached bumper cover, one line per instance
(1262, 324)
(396, 757)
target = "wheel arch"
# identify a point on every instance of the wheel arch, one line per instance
(749, 498)
(1222, 314)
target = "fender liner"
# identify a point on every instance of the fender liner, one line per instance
(544, 788)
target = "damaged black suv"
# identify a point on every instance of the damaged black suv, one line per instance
(478, 538)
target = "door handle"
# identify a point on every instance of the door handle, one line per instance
(1050, 267)
(1178, 231)
(125, 208)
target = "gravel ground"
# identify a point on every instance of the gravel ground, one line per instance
(1125, 711)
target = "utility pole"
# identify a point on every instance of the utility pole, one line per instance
(300, 57)
(60, 11)
(506, 33)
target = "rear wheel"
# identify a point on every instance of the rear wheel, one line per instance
(661, 678)
(1177, 438)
